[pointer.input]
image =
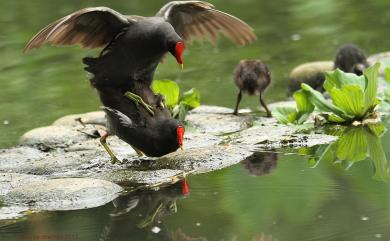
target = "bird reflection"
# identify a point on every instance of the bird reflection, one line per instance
(260, 163)
(140, 214)
(179, 235)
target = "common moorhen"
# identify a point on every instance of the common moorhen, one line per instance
(349, 58)
(154, 136)
(252, 77)
(134, 45)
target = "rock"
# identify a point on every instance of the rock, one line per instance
(64, 194)
(12, 212)
(10, 181)
(204, 159)
(282, 104)
(94, 118)
(261, 133)
(142, 178)
(17, 158)
(51, 137)
(211, 109)
(218, 124)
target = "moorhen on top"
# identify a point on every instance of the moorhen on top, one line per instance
(134, 45)
(349, 58)
(252, 77)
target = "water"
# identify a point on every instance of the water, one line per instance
(341, 196)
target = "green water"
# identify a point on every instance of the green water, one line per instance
(304, 197)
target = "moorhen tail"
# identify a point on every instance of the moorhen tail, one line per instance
(252, 77)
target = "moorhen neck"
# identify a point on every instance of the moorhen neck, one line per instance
(252, 77)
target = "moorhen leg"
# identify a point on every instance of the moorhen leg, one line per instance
(237, 103)
(109, 151)
(138, 100)
(265, 107)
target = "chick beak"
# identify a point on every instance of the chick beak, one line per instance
(181, 147)
(182, 66)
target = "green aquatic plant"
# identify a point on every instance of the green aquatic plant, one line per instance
(292, 115)
(356, 144)
(178, 105)
(352, 97)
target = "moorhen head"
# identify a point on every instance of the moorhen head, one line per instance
(252, 77)
(349, 58)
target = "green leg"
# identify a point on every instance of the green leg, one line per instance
(139, 153)
(104, 144)
(138, 100)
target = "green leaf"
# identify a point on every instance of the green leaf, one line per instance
(169, 89)
(378, 157)
(302, 100)
(191, 99)
(387, 71)
(334, 118)
(338, 79)
(352, 145)
(350, 99)
(387, 95)
(285, 115)
(370, 93)
(323, 105)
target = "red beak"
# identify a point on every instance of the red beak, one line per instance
(180, 136)
(185, 188)
(179, 49)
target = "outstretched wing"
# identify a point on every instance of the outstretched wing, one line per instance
(123, 119)
(193, 19)
(89, 27)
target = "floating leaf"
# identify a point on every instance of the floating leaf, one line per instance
(370, 93)
(169, 89)
(285, 115)
(387, 71)
(322, 104)
(350, 99)
(302, 100)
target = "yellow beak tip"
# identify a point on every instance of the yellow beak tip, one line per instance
(182, 66)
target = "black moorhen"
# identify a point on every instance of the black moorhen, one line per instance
(349, 58)
(252, 77)
(154, 136)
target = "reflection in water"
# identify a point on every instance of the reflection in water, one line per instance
(141, 214)
(355, 144)
(261, 163)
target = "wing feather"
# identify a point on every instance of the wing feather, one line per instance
(89, 27)
(198, 19)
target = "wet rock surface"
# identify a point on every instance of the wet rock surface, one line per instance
(64, 194)
(62, 166)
